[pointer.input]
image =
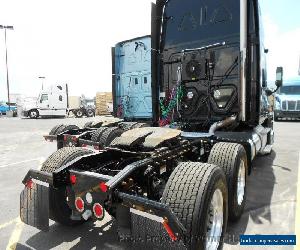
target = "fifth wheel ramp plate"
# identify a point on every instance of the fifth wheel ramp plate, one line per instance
(34, 206)
(159, 136)
(149, 137)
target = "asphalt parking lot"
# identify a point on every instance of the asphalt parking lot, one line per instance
(270, 209)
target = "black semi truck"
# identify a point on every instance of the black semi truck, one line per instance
(176, 182)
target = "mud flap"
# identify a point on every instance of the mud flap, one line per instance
(34, 206)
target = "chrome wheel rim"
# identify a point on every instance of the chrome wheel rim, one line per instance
(215, 221)
(241, 183)
(33, 114)
(79, 113)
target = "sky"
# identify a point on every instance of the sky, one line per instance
(69, 41)
(282, 36)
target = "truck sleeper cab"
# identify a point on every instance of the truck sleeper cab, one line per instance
(178, 182)
(131, 79)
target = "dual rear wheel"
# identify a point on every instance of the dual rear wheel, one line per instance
(58, 129)
(232, 158)
(203, 196)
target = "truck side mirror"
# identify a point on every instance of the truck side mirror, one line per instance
(279, 77)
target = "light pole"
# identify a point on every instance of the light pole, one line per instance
(7, 79)
(42, 79)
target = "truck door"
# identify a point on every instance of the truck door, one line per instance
(44, 105)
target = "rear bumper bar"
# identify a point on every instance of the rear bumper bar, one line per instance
(34, 201)
(61, 142)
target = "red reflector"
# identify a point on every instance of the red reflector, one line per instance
(169, 231)
(79, 204)
(103, 187)
(73, 179)
(98, 211)
(65, 137)
(29, 184)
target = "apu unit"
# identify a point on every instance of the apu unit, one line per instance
(194, 67)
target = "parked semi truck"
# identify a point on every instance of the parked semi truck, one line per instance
(287, 101)
(178, 181)
(54, 102)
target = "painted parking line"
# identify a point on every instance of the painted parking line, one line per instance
(4, 225)
(15, 236)
(21, 162)
(297, 221)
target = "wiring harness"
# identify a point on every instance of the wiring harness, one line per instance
(168, 105)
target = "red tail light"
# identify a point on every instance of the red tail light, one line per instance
(79, 204)
(103, 187)
(84, 145)
(98, 211)
(74, 138)
(29, 184)
(73, 179)
(96, 147)
(65, 137)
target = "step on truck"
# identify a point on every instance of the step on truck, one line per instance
(177, 182)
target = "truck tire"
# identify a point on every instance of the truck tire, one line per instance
(70, 127)
(78, 113)
(65, 128)
(90, 113)
(109, 135)
(232, 158)
(194, 192)
(54, 129)
(87, 124)
(34, 114)
(59, 210)
(126, 125)
(95, 135)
